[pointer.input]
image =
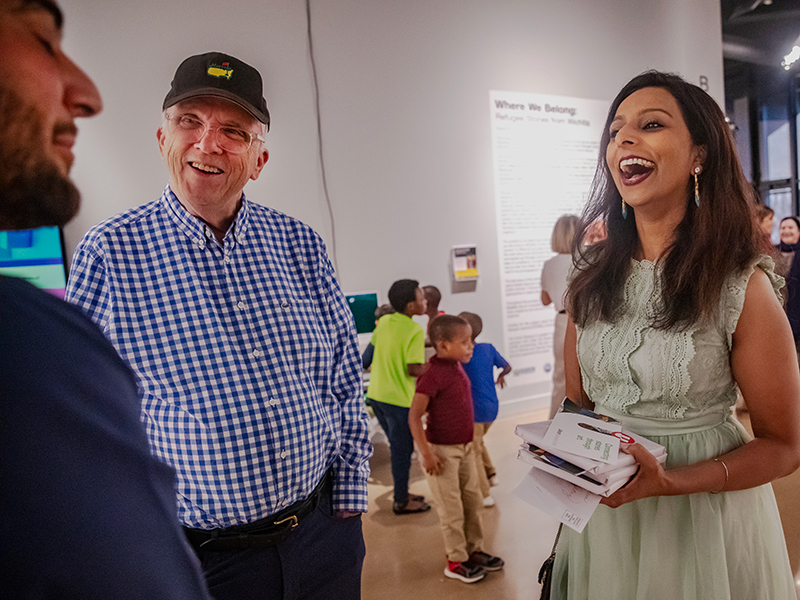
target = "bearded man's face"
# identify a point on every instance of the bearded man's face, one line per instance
(41, 93)
(33, 190)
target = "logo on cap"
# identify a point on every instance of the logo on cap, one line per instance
(223, 70)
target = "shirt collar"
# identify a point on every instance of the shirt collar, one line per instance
(198, 231)
(444, 361)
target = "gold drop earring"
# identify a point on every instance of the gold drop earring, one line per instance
(624, 209)
(696, 188)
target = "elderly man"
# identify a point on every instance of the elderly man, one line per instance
(244, 347)
(85, 510)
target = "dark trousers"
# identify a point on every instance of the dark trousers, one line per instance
(394, 420)
(321, 558)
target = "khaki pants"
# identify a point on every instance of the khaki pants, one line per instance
(483, 462)
(458, 500)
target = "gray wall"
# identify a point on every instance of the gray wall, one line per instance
(404, 92)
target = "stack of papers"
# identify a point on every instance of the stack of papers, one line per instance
(576, 460)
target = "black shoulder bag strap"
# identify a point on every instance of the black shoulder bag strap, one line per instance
(546, 572)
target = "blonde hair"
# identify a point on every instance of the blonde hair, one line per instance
(563, 232)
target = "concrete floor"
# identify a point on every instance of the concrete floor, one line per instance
(405, 554)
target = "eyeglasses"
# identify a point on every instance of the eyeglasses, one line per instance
(230, 139)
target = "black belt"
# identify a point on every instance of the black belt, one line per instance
(264, 532)
(562, 312)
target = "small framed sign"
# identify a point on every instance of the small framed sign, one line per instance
(465, 263)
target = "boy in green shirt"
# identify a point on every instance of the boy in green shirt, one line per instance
(399, 358)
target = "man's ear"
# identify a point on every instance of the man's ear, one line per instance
(161, 137)
(262, 159)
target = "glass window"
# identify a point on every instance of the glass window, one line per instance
(775, 139)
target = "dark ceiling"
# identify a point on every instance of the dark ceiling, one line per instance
(756, 32)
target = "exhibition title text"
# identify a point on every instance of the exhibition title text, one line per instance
(533, 107)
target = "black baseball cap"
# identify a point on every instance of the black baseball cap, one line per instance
(223, 76)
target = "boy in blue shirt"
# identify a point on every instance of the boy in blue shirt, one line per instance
(480, 370)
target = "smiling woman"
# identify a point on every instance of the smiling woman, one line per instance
(673, 313)
(666, 128)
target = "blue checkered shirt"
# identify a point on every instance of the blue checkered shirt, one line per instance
(245, 353)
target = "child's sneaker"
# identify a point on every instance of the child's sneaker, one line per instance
(485, 561)
(464, 571)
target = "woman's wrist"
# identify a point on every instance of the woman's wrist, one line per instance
(727, 475)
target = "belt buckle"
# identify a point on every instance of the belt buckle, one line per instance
(292, 518)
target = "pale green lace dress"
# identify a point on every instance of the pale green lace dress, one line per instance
(677, 389)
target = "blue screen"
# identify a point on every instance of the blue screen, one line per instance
(36, 255)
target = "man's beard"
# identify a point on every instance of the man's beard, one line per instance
(33, 192)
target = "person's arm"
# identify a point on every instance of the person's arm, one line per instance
(415, 354)
(501, 363)
(762, 347)
(430, 460)
(501, 378)
(366, 358)
(572, 368)
(415, 369)
(88, 286)
(351, 462)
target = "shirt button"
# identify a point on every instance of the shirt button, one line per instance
(284, 304)
(273, 402)
(256, 353)
(241, 305)
(227, 260)
(284, 454)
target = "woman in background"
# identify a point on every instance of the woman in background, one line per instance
(789, 232)
(673, 311)
(766, 222)
(554, 285)
(789, 267)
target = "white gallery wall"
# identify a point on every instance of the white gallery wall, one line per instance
(404, 99)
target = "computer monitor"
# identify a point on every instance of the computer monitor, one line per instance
(363, 305)
(36, 255)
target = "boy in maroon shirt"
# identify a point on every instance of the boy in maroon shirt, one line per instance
(448, 457)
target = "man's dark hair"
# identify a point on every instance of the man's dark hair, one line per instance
(444, 327)
(402, 292)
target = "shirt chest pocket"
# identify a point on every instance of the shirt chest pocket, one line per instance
(294, 330)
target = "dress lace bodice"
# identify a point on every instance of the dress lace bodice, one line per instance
(633, 369)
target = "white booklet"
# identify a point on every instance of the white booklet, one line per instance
(582, 435)
(535, 433)
(550, 463)
(574, 465)
(558, 498)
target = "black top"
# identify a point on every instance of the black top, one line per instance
(85, 510)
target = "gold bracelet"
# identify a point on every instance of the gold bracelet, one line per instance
(722, 462)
